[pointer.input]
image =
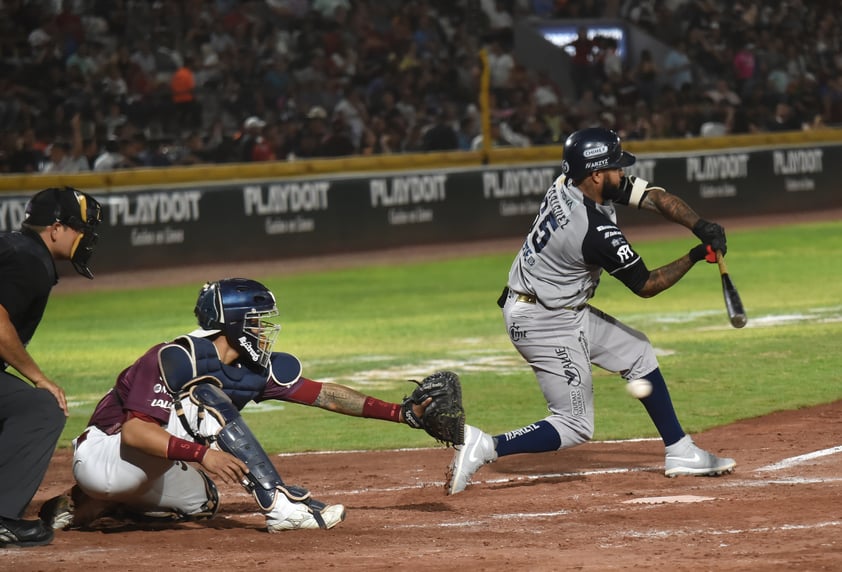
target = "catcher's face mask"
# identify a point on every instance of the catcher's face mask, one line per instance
(254, 337)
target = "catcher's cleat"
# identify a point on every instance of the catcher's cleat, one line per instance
(690, 460)
(74, 509)
(476, 452)
(57, 513)
(14, 532)
(304, 518)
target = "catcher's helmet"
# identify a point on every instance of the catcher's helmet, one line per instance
(593, 149)
(239, 307)
(70, 207)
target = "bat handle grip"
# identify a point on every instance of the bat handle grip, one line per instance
(720, 260)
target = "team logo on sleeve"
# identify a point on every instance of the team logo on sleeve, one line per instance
(625, 253)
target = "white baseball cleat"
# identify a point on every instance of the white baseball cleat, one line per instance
(690, 460)
(477, 450)
(303, 519)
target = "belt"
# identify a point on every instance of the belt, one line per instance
(532, 299)
(528, 298)
(81, 438)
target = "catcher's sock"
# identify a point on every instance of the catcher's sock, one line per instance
(659, 406)
(535, 438)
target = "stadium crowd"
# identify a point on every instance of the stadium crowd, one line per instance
(107, 84)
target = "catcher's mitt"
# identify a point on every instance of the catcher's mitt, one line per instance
(444, 417)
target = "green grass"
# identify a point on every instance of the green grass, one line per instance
(375, 327)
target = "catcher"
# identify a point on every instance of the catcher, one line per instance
(172, 422)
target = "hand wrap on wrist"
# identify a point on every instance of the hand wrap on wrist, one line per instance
(183, 450)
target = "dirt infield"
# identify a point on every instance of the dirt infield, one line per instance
(601, 506)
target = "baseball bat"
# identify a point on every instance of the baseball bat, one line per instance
(736, 312)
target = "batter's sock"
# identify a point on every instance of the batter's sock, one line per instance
(535, 438)
(659, 406)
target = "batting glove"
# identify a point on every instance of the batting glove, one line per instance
(712, 234)
(703, 252)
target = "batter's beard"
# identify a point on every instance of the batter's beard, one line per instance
(610, 191)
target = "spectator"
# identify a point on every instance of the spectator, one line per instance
(110, 158)
(612, 63)
(499, 18)
(252, 129)
(352, 108)
(678, 69)
(337, 142)
(26, 157)
(144, 57)
(501, 136)
(134, 151)
(783, 119)
(500, 65)
(466, 133)
(744, 68)
(194, 151)
(440, 136)
(67, 156)
(646, 74)
(252, 61)
(722, 92)
(264, 145)
(581, 62)
(90, 150)
(186, 108)
(114, 119)
(831, 96)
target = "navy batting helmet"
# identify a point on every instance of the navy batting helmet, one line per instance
(593, 149)
(239, 308)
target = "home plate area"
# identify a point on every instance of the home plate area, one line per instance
(601, 506)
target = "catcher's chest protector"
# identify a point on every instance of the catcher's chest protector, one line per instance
(239, 383)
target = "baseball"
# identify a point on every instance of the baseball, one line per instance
(639, 388)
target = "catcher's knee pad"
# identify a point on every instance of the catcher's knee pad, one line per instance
(236, 438)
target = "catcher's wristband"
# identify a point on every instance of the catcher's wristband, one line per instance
(183, 450)
(375, 409)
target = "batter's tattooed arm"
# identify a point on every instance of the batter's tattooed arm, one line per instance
(670, 207)
(662, 278)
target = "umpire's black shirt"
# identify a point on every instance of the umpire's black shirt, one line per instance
(27, 274)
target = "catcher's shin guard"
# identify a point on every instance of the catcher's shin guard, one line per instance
(235, 437)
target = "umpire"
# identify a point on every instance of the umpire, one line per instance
(59, 225)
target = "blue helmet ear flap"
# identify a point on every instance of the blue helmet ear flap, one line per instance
(208, 308)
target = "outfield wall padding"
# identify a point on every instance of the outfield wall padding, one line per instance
(177, 221)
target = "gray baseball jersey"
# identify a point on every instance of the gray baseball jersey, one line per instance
(565, 271)
(546, 310)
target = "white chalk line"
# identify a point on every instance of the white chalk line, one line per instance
(780, 465)
(793, 461)
(711, 532)
(479, 522)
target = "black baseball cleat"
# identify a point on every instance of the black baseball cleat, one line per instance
(14, 532)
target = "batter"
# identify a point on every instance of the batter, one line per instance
(573, 239)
